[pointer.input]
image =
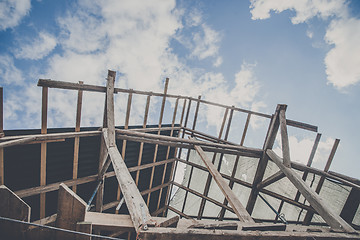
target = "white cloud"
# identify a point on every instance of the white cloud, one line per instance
(36, 48)
(342, 61)
(206, 42)
(11, 12)
(343, 32)
(9, 73)
(300, 149)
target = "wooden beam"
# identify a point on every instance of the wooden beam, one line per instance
(239, 209)
(71, 210)
(333, 220)
(134, 201)
(245, 129)
(44, 109)
(11, 206)
(284, 137)
(77, 139)
(157, 145)
(309, 214)
(270, 180)
(84, 227)
(260, 170)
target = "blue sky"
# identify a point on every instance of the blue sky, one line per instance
(252, 54)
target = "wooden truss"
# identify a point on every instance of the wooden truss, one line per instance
(73, 213)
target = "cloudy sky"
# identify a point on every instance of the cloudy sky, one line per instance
(251, 54)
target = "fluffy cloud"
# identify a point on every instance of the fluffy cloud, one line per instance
(300, 149)
(9, 73)
(343, 32)
(36, 48)
(11, 12)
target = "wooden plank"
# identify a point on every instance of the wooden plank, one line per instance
(260, 170)
(44, 109)
(134, 201)
(84, 227)
(309, 214)
(208, 180)
(142, 143)
(77, 139)
(284, 137)
(11, 206)
(157, 145)
(239, 209)
(333, 220)
(110, 107)
(245, 129)
(310, 160)
(71, 209)
(270, 180)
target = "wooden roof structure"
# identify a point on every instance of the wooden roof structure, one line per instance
(75, 219)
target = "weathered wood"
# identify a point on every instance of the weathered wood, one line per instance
(44, 109)
(195, 234)
(134, 201)
(245, 129)
(334, 221)
(110, 107)
(157, 145)
(309, 214)
(239, 209)
(11, 206)
(270, 180)
(77, 139)
(85, 227)
(71, 209)
(260, 170)
(169, 222)
(109, 222)
(240, 149)
(284, 137)
(310, 160)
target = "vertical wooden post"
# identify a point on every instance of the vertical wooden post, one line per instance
(77, 139)
(44, 109)
(185, 123)
(85, 227)
(142, 143)
(284, 137)
(245, 129)
(260, 171)
(351, 205)
(159, 132)
(208, 180)
(310, 214)
(188, 153)
(71, 210)
(168, 152)
(1, 134)
(123, 151)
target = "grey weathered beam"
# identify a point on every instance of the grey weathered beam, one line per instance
(333, 220)
(270, 180)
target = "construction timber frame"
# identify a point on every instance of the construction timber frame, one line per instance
(76, 220)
